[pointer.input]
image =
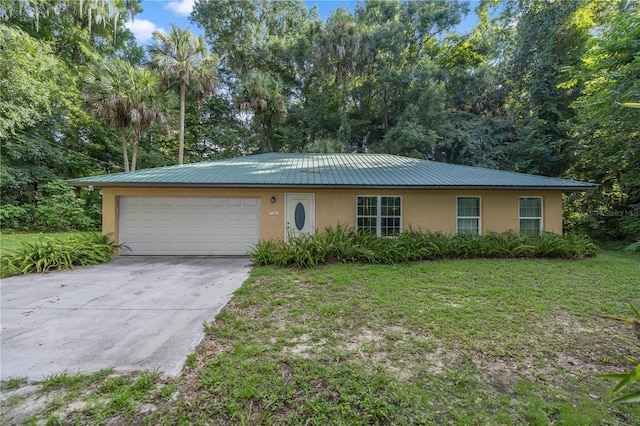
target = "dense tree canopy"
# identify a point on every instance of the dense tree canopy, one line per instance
(47, 49)
(32, 80)
(607, 130)
(536, 86)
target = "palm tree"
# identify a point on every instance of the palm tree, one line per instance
(150, 105)
(340, 47)
(125, 97)
(183, 55)
(107, 96)
(261, 93)
(343, 52)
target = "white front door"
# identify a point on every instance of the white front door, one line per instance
(300, 214)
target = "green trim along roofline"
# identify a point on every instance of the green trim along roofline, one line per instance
(380, 171)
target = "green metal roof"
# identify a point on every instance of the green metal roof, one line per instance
(330, 170)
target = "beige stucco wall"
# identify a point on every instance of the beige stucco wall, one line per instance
(433, 210)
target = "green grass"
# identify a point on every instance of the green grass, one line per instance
(447, 342)
(98, 397)
(13, 383)
(500, 341)
(73, 381)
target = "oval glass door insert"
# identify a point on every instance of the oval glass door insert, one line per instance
(299, 216)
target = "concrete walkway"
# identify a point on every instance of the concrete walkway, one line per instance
(135, 313)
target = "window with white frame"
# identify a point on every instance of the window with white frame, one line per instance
(380, 215)
(468, 217)
(530, 215)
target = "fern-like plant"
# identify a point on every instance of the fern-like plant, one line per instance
(346, 244)
(633, 247)
(626, 390)
(47, 254)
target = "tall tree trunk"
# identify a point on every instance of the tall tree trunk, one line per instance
(344, 132)
(383, 97)
(134, 152)
(125, 156)
(183, 90)
(265, 132)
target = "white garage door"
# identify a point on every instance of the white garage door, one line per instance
(189, 225)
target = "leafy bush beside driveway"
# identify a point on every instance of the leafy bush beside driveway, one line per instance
(46, 253)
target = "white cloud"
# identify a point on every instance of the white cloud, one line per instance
(142, 29)
(181, 7)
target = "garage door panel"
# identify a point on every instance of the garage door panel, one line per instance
(234, 217)
(182, 246)
(151, 202)
(189, 225)
(218, 231)
(250, 217)
(199, 202)
(147, 246)
(235, 231)
(251, 232)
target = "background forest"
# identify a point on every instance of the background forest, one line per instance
(538, 86)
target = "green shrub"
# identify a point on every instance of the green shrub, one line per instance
(346, 245)
(630, 223)
(633, 247)
(58, 209)
(55, 208)
(14, 218)
(264, 253)
(48, 254)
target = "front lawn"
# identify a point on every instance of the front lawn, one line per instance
(503, 341)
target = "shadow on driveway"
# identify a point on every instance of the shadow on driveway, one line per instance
(134, 313)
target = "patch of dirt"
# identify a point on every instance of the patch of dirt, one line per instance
(30, 401)
(502, 372)
(375, 347)
(580, 354)
(210, 348)
(35, 404)
(287, 371)
(436, 358)
(304, 346)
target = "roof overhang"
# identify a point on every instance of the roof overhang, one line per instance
(382, 187)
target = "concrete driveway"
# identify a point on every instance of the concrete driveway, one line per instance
(135, 313)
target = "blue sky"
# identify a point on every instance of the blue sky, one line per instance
(160, 14)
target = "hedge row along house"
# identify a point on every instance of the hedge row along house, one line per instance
(224, 207)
